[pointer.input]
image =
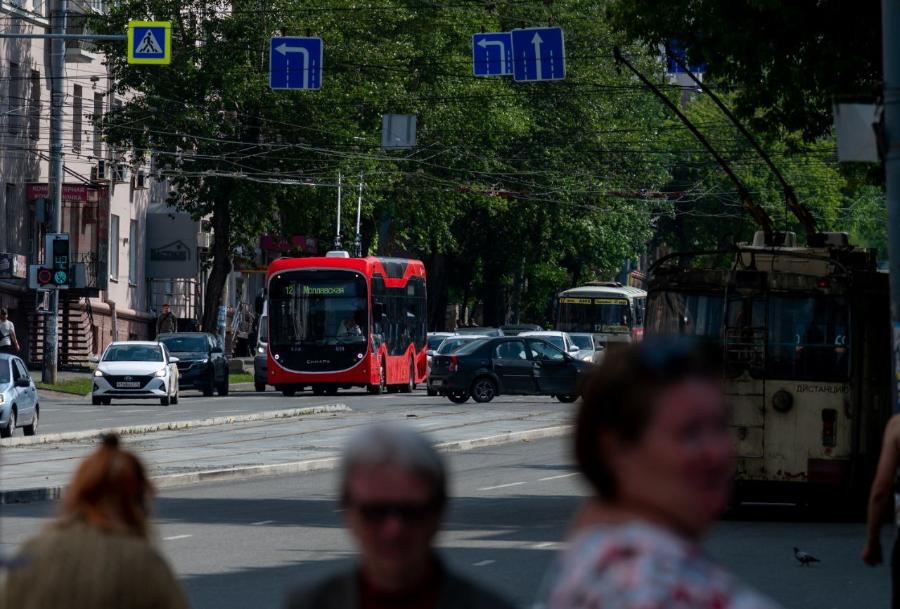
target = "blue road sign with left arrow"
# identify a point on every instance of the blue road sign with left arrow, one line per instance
(492, 54)
(295, 62)
(538, 54)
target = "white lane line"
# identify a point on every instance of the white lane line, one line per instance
(544, 545)
(261, 523)
(557, 477)
(483, 563)
(491, 488)
(174, 537)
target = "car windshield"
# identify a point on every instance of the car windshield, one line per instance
(435, 341)
(471, 347)
(582, 341)
(452, 344)
(133, 353)
(185, 344)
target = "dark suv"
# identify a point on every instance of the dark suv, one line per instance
(201, 361)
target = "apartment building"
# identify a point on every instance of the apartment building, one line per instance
(106, 198)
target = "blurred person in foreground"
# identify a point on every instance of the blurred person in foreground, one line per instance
(97, 554)
(884, 489)
(393, 490)
(652, 438)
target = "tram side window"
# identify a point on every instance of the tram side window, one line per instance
(808, 338)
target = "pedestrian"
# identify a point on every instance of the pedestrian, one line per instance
(393, 490)
(653, 441)
(166, 322)
(97, 554)
(8, 341)
(883, 489)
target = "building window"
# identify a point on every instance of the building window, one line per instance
(98, 118)
(16, 99)
(77, 113)
(132, 252)
(113, 246)
(34, 111)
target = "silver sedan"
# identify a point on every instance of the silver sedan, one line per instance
(18, 398)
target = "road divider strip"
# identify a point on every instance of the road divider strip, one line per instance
(294, 467)
(131, 430)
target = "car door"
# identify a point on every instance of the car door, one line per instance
(554, 372)
(513, 366)
(24, 395)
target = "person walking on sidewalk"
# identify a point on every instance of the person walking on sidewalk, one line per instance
(97, 554)
(652, 438)
(8, 341)
(393, 491)
(883, 490)
(166, 323)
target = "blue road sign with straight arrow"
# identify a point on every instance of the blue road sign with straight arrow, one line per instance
(538, 54)
(295, 62)
(492, 54)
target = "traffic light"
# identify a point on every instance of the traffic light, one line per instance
(44, 276)
(60, 260)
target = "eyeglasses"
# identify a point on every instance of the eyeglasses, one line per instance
(377, 513)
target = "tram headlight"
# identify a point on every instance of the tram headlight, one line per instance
(782, 401)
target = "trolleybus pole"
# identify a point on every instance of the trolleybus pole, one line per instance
(890, 25)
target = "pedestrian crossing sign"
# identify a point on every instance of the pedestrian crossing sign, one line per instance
(150, 42)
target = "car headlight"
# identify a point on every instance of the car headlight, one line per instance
(161, 372)
(97, 373)
(205, 360)
(260, 350)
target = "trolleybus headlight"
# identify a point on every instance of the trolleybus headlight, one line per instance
(782, 401)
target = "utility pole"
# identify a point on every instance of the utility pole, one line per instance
(890, 46)
(337, 236)
(57, 96)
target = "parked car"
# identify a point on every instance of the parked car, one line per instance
(448, 346)
(561, 340)
(589, 350)
(520, 365)
(202, 363)
(435, 339)
(516, 329)
(136, 369)
(259, 355)
(18, 398)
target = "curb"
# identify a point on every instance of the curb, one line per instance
(92, 434)
(53, 493)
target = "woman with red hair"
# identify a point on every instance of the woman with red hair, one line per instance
(98, 553)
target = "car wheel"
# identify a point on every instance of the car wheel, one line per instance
(106, 401)
(9, 430)
(458, 397)
(95, 400)
(289, 392)
(165, 401)
(260, 387)
(30, 430)
(331, 390)
(483, 390)
(223, 387)
(567, 399)
(431, 393)
(175, 397)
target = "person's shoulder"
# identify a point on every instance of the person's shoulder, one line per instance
(325, 592)
(462, 591)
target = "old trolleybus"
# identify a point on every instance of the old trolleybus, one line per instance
(340, 322)
(805, 336)
(613, 313)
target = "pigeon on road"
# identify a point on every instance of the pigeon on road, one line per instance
(804, 558)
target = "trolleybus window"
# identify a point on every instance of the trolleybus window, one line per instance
(318, 308)
(808, 338)
(692, 314)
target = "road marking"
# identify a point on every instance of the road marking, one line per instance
(491, 488)
(174, 537)
(544, 545)
(483, 563)
(557, 477)
(261, 523)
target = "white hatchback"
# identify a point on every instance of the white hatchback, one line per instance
(136, 369)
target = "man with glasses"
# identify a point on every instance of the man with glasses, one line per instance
(393, 491)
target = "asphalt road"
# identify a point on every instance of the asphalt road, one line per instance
(76, 413)
(240, 545)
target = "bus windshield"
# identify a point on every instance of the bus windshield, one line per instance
(318, 308)
(609, 315)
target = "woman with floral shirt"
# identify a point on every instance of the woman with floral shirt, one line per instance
(652, 438)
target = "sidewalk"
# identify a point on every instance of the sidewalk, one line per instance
(258, 448)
